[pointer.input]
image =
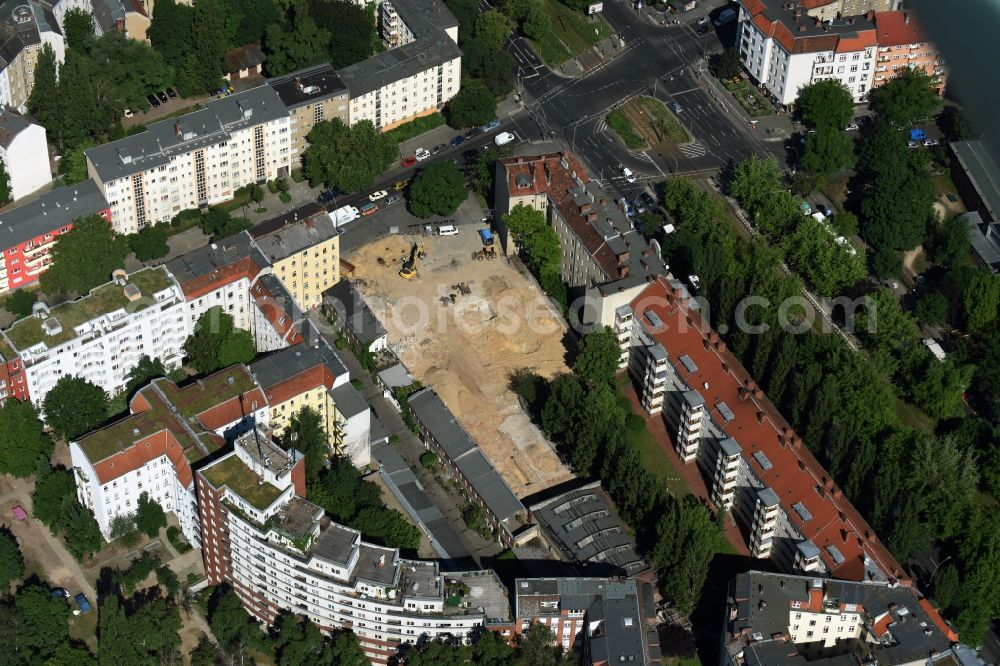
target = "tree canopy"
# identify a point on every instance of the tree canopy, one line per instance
(825, 104)
(84, 258)
(306, 433)
(217, 343)
(20, 302)
(493, 28)
(23, 440)
(539, 246)
(438, 190)
(149, 516)
(348, 158)
(908, 98)
(473, 105)
(11, 560)
(74, 406)
(150, 243)
(827, 151)
(597, 357)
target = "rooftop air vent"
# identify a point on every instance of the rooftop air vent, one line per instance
(51, 326)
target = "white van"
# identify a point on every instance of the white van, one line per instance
(503, 138)
(447, 230)
(629, 176)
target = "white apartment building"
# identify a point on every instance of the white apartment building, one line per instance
(152, 450)
(25, 27)
(280, 552)
(195, 160)
(417, 75)
(101, 336)
(25, 153)
(784, 49)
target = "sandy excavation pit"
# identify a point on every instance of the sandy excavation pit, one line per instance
(463, 326)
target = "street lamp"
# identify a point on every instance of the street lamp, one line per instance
(934, 573)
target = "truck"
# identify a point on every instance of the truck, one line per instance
(344, 215)
(917, 134)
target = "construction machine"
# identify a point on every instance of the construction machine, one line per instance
(421, 251)
(488, 252)
(409, 269)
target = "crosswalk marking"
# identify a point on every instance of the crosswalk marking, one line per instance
(692, 149)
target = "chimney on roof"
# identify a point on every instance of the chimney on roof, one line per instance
(870, 14)
(177, 128)
(906, 17)
(720, 346)
(837, 493)
(802, 28)
(592, 217)
(743, 393)
(796, 441)
(760, 417)
(758, 394)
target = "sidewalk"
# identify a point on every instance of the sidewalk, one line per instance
(775, 127)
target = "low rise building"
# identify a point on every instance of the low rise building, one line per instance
(101, 336)
(779, 619)
(28, 232)
(344, 305)
(279, 552)
(903, 45)
(826, 10)
(26, 26)
(462, 458)
(25, 153)
(607, 621)
(417, 75)
(977, 178)
(303, 254)
(604, 258)
(194, 160)
(244, 62)
(311, 95)
(154, 449)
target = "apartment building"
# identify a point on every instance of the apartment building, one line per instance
(825, 10)
(25, 153)
(419, 72)
(276, 318)
(25, 27)
(313, 376)
(279, 552)
(169, 429)
(194, 160)
(604, 259)
(100, 336)
(778, 619)
(605, 620)
(311, 95)
(304, 254)
(753, 463)
(462, 459)
(28, 231)
(903, 45)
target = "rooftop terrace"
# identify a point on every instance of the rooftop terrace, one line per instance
(107, 298)
(203, 394)
(234, 474)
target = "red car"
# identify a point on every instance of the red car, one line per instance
(408, 161)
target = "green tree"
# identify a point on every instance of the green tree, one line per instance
(348, 158)
(828, 265)
(305, 433)
(150, 243)
(237, 347)
(301, 43)
(493, 28)
(597, 357)
(47, 617)
(908, 98)
(688, 537)
(20, 302)
(74, 406)
(211, 34)
(23, 441)
(254, 18)
(217, 343)
(149, 516)
(537, 25)
(754, 181)
(473, 105)
(73, 165)
(846, 224)
(825, 104)
(566, 400)
(205, 653)
(537, 241)
(171, 29)
(84, 258)
(949, 242)
(726, 65)
(438, 190)
(5, 192)
(352, 27)
(52, 492)
(345, 649)
(954, 124)
(146, 370)
(980, 298)
(117, 643)
(231, 625)
(79, 29)
(494, 67)
(11, 561)
(42, 102)
(932, 308)
(70, 655)
(387, 526)
(439, 652)
(827, 151)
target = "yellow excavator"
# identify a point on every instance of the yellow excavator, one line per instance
(409, 269)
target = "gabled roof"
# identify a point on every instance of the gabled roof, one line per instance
(898, 28)
(207, 268)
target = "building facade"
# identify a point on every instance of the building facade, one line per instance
(28, 232)
(25, 153)
(25, 27)
(311, 95)
(902, 44)
(195, 160)
(279, 552)
(826, 10)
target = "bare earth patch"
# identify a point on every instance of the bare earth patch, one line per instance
(467, 348)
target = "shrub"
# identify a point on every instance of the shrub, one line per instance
(428, 459)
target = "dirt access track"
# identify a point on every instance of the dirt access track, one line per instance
(468, 349)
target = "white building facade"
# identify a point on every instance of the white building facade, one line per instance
(25, 154)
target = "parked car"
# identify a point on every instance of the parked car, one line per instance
(851, 127)
(490, 126)
(703, 29)
(59, 593)
(171, 93)
(162, 96)
(400, 185)
(473, 132)
(408, 161)
(503, 138)
(438, 148)
(913, 144)
(703, 20)
(81, 601)
(152, 100)
(457, 141)
(675, 106)
(379, 194)
(930, 142)
(639, 205)
(648, 199)
(368, 209)
(392, 199)
(629, 176)
(422, 154)
(326, 196)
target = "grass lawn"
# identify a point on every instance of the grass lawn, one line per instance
(623, 128)
(665, 119)
(572, 33)
(756, 105)
(415, 127)
(910, 415)
(84, 628)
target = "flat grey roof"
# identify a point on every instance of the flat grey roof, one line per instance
(308, 85)
(982, 171)
(983, 239)
(348, 401)
(213, 257)
(396, 376)
(294, 236)
(376, 564)
(463, 452)
(350, 308)
(12, 123)
(290, 361)
(175, 136)
(335, 543)
(50, 212)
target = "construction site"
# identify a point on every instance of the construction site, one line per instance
(457, 315)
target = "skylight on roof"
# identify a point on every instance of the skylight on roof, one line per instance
(688, 363)
(838, 558)
(803, 512)
(762, 460)
(725, 411)
(654, 319)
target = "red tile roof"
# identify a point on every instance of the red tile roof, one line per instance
(863, 40)
(143, 451)
(318, 375)
(795, 475)
(275, 313)
(205, 284)
(895, 30)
